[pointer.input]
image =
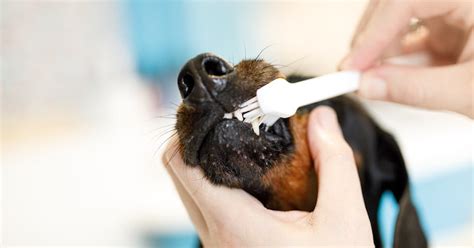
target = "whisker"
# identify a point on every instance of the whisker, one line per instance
(291, 63)
(260, 53)
(245, 51)
(174, 104)
(174, 108)
(160, 135)
(164, 142)
(165, 130)
(266, 67)
(160, 128)
(165, 117)
(170, 114)
(175, 152)
(175, 144)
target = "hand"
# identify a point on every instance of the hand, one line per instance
(446, 83)
(227, 217)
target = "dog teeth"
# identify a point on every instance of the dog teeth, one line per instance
(254, 117)
(256, 126)
(238, 115)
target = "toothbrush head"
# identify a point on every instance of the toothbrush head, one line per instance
(268, 106)
(250, 112)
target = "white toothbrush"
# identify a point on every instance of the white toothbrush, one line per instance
(281, 99)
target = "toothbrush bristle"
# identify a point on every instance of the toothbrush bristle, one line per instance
(269, 120)
(250, 112)
(249, 107)
(248, 102)
(253, 114)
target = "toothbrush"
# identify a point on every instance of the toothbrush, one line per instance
(281, 99)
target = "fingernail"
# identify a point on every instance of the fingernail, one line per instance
(327, 118)
(372, 87)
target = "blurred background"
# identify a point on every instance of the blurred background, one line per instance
(87, 88)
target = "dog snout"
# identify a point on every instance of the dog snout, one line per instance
(203, 77)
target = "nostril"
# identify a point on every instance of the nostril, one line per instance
(186, 85)
(202, 77)
(215, 66)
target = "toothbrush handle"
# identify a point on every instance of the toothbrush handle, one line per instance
(324, 87)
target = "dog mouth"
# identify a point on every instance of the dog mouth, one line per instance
(212, 89)
(231, 133)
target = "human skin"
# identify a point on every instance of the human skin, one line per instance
(446, 83)
(229, 217)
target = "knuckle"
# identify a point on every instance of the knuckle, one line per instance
(412, 94)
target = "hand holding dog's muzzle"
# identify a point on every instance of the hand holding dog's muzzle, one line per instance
(231, 217)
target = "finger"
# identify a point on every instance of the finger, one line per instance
(388, 20)
(191, 207)
(445, 40)
(408, 41)
(440, 88)
(215, 202)
(364, 19)
(290, 216)
(227, 212)
(408, 44)
(338, 181)
(468, 53)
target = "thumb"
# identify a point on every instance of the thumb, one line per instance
(446, 87)
(337, 173)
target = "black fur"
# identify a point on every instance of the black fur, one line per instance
(232, 142)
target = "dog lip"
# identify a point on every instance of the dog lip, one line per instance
(195, 140)
(264, 134)
(198, 137)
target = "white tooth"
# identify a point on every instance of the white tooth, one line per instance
(228, 116)
(261, 119)
(238, 115)
(255, 127)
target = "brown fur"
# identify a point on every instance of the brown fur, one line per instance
(293, 180)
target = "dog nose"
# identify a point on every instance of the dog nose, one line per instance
(203, 77)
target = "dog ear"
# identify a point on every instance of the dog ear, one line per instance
(392, 166)
(408, 230)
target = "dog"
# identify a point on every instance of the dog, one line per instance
(276, 166)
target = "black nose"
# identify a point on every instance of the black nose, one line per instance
(203, 77)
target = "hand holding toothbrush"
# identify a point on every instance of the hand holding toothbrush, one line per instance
(446, 34)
